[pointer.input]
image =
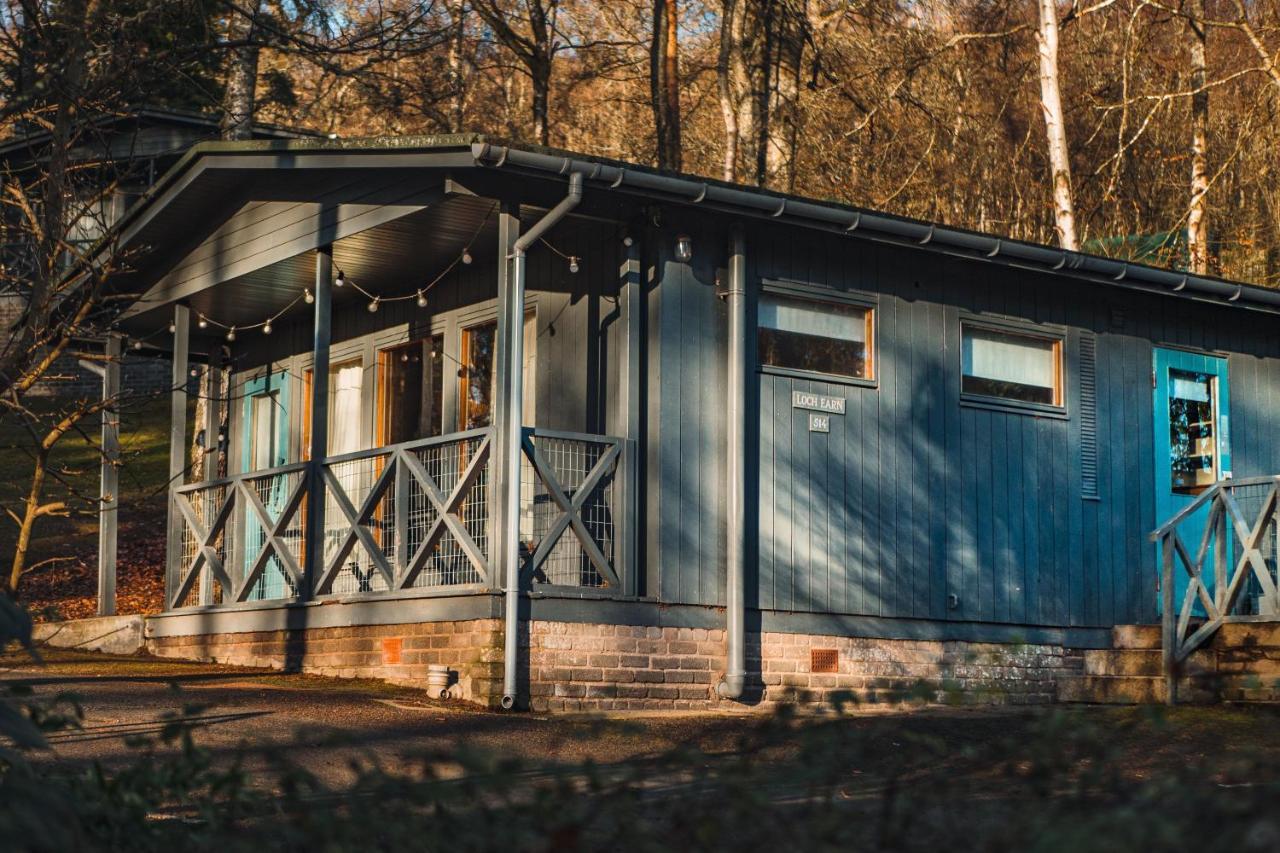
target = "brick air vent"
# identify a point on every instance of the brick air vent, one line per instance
(824, 660)
(391, 650)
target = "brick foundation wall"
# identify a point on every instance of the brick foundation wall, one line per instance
(566, 666)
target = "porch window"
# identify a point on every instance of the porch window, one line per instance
(820, 337)
(346, 428)
(477, 378)
(1012, 366)
(411, 391)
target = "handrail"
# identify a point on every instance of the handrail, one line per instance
(1228, 554)
(232, 479)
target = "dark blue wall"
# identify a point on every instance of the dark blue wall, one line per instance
(915, 496)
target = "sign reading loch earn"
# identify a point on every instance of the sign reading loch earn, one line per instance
(817, 403)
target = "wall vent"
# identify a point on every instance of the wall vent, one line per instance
(1088, 416)
(824, 660)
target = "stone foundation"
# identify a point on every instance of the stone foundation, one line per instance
(570, 666)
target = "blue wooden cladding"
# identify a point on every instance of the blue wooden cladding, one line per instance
(920, 503)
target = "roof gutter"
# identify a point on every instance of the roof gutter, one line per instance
(883, 227)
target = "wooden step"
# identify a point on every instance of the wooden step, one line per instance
(1135, 637)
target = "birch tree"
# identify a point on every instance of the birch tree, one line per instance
(1197, 213)
(1055, 124)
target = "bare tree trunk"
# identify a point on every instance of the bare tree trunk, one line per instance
(1055, 125)
(31, 511)
(767, 34)
(791, 22)
(664, 82)
(456, 78)
(1197, 220)
(238, 101)
(724, 78)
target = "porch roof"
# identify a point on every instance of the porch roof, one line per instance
(248, 213)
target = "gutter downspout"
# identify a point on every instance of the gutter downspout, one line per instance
(512, 430)
(735, 548)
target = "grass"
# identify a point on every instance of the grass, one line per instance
(144, 470)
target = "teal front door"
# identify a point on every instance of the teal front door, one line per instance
(1192, 441)
(266, 445)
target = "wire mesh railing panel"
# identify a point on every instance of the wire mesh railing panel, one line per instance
(273, 492)
(1252, 498)
(205, 504)
(571, 462)
(448, 563)
(357, 478)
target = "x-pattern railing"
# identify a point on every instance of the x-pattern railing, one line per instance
(596, 460)
(372, 525)
(232, 500)
(1231, 551)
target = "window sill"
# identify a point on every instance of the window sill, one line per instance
(815, 376)
(1014, 407)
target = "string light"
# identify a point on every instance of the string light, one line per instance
(137, 344)
(574, 260)
(375, 300)
(573, 264)
(173, 327)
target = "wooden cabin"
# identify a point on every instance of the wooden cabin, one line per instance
(592, 435)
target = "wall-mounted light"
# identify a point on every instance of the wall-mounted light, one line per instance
(684, 248)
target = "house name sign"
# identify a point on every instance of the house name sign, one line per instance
(815, 403)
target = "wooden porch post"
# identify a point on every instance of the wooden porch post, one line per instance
(632, 292)
(510, 324)
(210, 383)
(108, 496)
(314, 547)
(177, 441)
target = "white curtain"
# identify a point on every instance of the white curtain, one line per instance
(345, 433)
(1008, 358)
(810, 318)
(1196, 390)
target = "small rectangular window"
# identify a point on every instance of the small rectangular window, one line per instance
(1011, 366)
(411, 390)
(823, 337)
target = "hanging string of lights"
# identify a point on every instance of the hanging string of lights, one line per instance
(204, 321)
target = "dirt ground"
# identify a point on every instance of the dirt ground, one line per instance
(329, 726)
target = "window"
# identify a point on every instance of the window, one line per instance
(411, 391)
(346, 432)
(822, 337)
(477, 385)
(1193, 446)
(1011, 366)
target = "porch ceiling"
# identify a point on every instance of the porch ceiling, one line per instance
(390, 259)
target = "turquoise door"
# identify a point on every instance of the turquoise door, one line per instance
(1192, 440)
(266, 445)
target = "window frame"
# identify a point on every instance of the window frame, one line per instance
(785, 289)
(1057, 335)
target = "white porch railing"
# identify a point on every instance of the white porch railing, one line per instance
(403, 517)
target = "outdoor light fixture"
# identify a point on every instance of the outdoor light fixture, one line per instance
(203, 323)
(266, 328)
(231, 333)
(422, 299)
(173, 327)
(573, 263)
(466, 256)
(137, 344)
(684, 248)
(341, 279)
(373, 305)
(308, 297)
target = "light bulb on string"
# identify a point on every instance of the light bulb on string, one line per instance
(341, 279)
(573, 263)
(203, 322)
(231, 333)
(137, 344)
(173, 327)
(373, 305)
(308, 297)
(422, 299)
(466, 255)
(266, 328)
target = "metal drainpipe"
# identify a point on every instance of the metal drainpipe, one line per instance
(735, 551)
(513, 428)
